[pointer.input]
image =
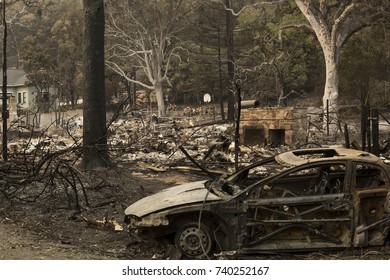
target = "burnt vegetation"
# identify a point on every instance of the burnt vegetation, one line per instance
(46, 188)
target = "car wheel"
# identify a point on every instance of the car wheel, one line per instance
(194, 240)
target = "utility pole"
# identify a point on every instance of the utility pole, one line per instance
(5, 94)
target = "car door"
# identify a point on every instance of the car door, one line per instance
(370, 190)
(306, 207)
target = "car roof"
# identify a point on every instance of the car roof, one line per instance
(302, 156)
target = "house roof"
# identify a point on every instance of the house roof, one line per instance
(15, 77)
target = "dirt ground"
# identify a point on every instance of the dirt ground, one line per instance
(36, 232)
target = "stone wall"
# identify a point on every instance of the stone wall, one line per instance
(274, 125)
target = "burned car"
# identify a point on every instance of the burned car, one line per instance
(308, 199)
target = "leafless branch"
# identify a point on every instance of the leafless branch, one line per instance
(261, 3)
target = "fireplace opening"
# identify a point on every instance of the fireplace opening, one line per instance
(253, 136)
(276, 137)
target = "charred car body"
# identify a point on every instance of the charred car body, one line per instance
(305, 199)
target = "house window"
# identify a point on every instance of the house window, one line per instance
(19, 97)
(24, 97)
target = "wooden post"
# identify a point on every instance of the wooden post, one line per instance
(327, 117)
(375, 131)
(237, 134)
(368, 120)
(346, 135)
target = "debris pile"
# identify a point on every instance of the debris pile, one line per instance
(159, 143)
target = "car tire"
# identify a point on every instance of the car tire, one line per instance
(194, 240)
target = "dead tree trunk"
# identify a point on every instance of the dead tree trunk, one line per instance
(95, 152)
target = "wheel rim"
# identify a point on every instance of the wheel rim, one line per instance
(194, 241)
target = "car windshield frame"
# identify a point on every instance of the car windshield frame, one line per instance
(230, 187)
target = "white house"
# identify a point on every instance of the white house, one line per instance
(22, 95)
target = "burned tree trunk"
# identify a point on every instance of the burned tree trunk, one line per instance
(95, 133)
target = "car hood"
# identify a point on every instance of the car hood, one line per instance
(171, 197)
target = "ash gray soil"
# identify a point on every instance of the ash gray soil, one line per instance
(35, 232)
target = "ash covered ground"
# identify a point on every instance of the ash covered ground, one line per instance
(49, 216)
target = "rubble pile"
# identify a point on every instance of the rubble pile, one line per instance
(155, 142)
(158, 142)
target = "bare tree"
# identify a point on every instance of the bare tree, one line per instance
(333, 23)
(143, 35)
(232, 64)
